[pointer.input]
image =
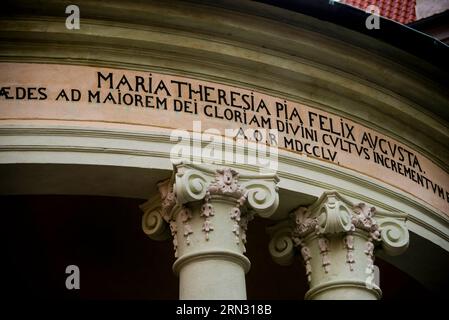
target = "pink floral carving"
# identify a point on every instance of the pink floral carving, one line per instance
(306, 256)
(244, 226)
(226, 182)
(207, 227)
(186, 215)
(370, 257)
(173, 230)
(349, 245)
(323, 244)
(235, 213)
(168, 201)
(363, 218)
(207, 210)
(303, 224)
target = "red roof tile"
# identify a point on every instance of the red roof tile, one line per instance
(402, 11)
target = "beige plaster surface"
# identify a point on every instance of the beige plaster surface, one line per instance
(57, 77)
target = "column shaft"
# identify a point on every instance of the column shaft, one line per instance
(210, 264)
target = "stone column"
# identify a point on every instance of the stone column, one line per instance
(207, 212)
(336, 240)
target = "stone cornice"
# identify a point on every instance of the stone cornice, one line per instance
(430, 146)
(284, 157)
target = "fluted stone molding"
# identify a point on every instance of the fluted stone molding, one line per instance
(337, 240)
(207, 211)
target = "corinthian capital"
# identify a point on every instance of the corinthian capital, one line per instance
(199, 182)
(188, 203)
(337, 239)
(207, 211)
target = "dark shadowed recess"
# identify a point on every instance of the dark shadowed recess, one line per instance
(102, 236)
